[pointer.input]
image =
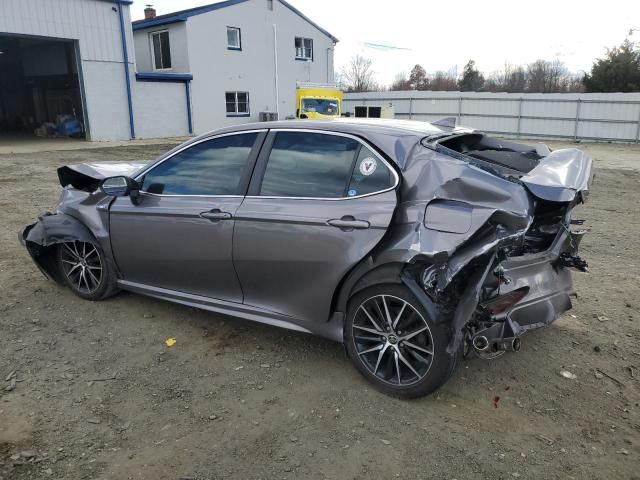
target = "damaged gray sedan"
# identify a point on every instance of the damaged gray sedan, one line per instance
(412, 243)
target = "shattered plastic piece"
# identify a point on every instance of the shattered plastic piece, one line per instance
(170, 342)
(568, 374)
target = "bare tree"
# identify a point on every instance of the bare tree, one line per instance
(512, 79)
(549, 77)
(358, 76)
(420, 80)
(400, 82)
(443, 81)
(541, 76)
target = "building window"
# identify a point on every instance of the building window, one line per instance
(304, 48)
(234, 41)
(237, 104)
(161, 50)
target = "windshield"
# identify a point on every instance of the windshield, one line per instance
(320, 105)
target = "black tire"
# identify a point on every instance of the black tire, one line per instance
(84, 269)
(427, 373)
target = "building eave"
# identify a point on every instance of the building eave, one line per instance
(308, 20)
(183, 15)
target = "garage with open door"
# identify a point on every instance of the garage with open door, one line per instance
(40, 88)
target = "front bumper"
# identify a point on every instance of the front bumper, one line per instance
(38, 254)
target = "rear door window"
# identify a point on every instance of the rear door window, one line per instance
(303, 164)
(213, 167)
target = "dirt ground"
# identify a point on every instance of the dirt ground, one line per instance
(98, 395)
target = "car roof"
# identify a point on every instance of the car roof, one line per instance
(351, 125)
(395, 138)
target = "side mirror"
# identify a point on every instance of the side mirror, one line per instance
(119, 186)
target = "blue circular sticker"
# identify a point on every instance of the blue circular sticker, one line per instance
(352, 193)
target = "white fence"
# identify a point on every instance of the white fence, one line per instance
(578, 116)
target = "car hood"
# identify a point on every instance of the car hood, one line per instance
(87, 176)
(561, 176)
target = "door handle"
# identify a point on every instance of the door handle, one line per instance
(348, 223)
(216, 215)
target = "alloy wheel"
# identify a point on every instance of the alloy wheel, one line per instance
(82, 265)
(393, 340)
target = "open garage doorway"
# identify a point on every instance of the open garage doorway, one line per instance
(40, 89)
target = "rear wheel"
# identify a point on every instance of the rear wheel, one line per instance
(83, 267)
(394, 343)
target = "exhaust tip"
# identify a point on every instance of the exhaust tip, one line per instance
(480, 343)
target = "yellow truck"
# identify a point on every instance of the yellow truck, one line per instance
(314, 100)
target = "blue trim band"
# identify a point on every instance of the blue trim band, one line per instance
(125, 60)
(163, 77)
(161, 21)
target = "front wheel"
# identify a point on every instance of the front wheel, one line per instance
(394, 343)
(85, 271)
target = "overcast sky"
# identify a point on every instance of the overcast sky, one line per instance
(443, 35)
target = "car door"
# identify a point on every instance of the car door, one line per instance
(317, 204)
(178, 235)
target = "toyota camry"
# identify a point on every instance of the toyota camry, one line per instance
(411, 243)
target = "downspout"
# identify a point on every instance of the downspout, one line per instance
(125, 59)
(189, 120)
(275, 61)
(328, 55)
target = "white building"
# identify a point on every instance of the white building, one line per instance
(78, 58)
(245, 57)
(65, 57)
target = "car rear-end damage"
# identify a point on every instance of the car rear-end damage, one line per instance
(486, 236)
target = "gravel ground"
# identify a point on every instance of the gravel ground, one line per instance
(90, 390)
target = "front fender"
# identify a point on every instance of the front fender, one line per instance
(40, 238)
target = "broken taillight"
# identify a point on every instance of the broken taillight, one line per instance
(502, 303)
